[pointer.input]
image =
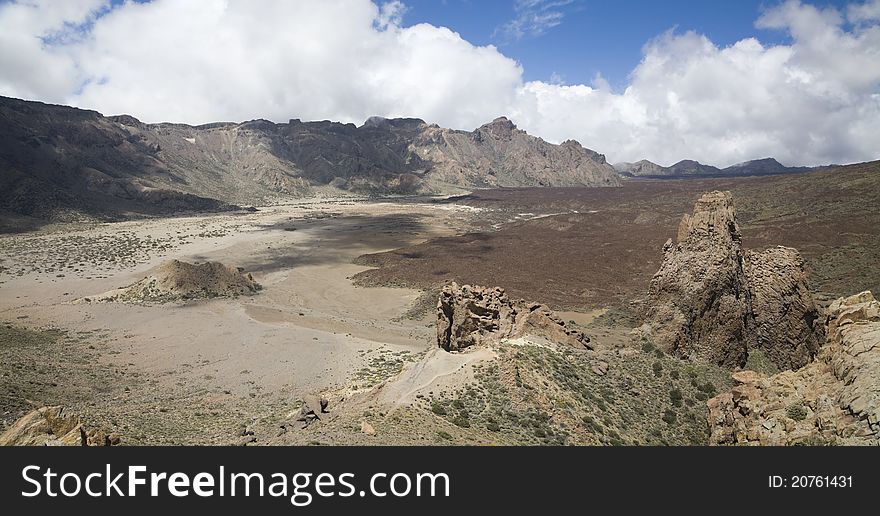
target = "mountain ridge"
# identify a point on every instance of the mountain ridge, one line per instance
(691, 168)
(60, 160)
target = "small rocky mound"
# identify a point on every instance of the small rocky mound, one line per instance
(698, 302)
(473, 316)
(787, 325)
(54, 426)
(176, 281)
(833, 400)
(713, 302)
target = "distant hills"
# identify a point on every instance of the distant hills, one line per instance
(58, 162)
(690, 168)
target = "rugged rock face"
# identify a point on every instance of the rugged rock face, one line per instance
(499, 154)
(713, 302)
(473, 316)
(54, 426)
(787, 326)
(698, 302)
(58, 161)
(833, 400)
(175, 281)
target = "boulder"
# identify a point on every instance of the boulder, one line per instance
(55, 426)
(473, 316)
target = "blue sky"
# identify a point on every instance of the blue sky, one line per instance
(596, 36)
(804, 88)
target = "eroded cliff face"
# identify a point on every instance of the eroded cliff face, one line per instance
(833, 400)
(475, 316)
(787, 325)
(498, 154)
(62, 160)
(714, 302)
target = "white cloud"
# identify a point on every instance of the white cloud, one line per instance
(815, 100)
(533, 18)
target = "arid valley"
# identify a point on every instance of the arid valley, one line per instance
(347, 309)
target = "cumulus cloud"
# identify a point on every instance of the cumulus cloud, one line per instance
(813, 100)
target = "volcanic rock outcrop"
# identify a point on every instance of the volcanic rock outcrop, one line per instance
(54, 426)
(833, 400)
(698, 302)
(787, 326)
(712, 302)
(473, 316)
(179, 281)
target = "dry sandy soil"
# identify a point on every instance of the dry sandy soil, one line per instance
(196, 372)
(348, 302)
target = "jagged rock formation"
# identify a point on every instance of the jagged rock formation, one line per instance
(54, 426)
(787, 326)
(698, 302)
(176, 281)
(474, 316)
(498, 154)
(58, 161)
(833, 400)
(712, 302)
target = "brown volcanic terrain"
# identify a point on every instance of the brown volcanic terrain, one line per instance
(586, 248)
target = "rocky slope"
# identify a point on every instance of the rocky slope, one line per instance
(498, 154)
(833, 400)
(55, 426)
(470, 316)
(59, 161)
(713, 302)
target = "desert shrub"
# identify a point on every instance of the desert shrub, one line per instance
(444, 435)
(493, 426)
(461, 421)
(669, 417)
(458, 404)
(438, 409)
(673, 374)
(675, 397)
(759, 362)
(658, 368)
(796, 411)
(708, 388)
(591, 425)
(647, 347)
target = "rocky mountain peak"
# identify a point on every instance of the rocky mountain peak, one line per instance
(714, 217)
(500, 128)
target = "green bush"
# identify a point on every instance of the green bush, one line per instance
(438, 409)
(658, 368)
(796, 411)
(461, 421)
(675, 397)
